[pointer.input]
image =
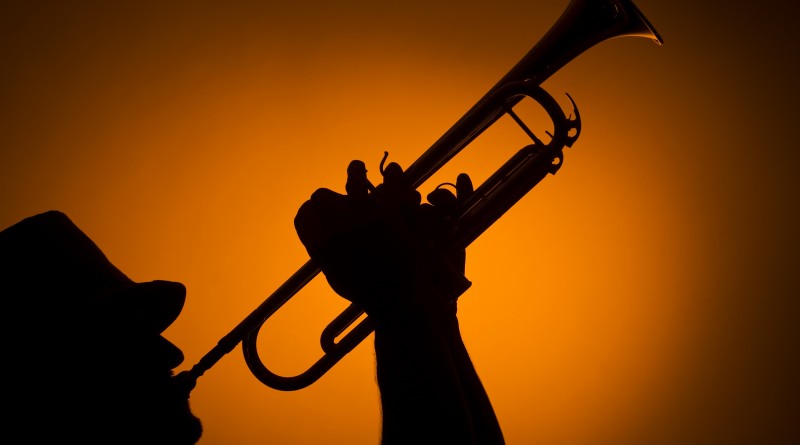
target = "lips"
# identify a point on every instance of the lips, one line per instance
(184, 382)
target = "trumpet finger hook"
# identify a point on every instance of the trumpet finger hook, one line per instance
(574, 123)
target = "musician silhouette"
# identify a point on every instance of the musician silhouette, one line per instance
(86, 362)
(384, 255)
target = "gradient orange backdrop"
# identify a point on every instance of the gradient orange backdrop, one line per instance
(646, 294)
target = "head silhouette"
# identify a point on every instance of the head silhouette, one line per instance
(87, 361)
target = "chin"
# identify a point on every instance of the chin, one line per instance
(187, 431)
(190, 427)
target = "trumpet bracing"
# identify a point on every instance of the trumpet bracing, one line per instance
(583, 24)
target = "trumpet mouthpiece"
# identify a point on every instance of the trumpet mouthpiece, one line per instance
(185, 381)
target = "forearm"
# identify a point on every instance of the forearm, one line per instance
(484, 421)
(430, 392)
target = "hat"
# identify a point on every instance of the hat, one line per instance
(51, 270)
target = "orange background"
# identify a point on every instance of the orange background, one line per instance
(646, 294)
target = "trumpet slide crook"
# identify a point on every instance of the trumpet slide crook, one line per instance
(583, 24)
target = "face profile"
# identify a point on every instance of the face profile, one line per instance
(87, 360)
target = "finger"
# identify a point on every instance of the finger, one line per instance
(464, 188)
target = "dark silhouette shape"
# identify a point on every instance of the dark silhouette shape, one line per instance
(446, 201)
(86, 357)
(89, 363)
(357, 185)
(382, 254)
(392, 174)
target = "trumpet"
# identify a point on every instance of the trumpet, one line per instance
(583, 24)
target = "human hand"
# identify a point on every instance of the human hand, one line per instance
(378, 246)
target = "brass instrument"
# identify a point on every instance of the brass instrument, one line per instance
(582, 25)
